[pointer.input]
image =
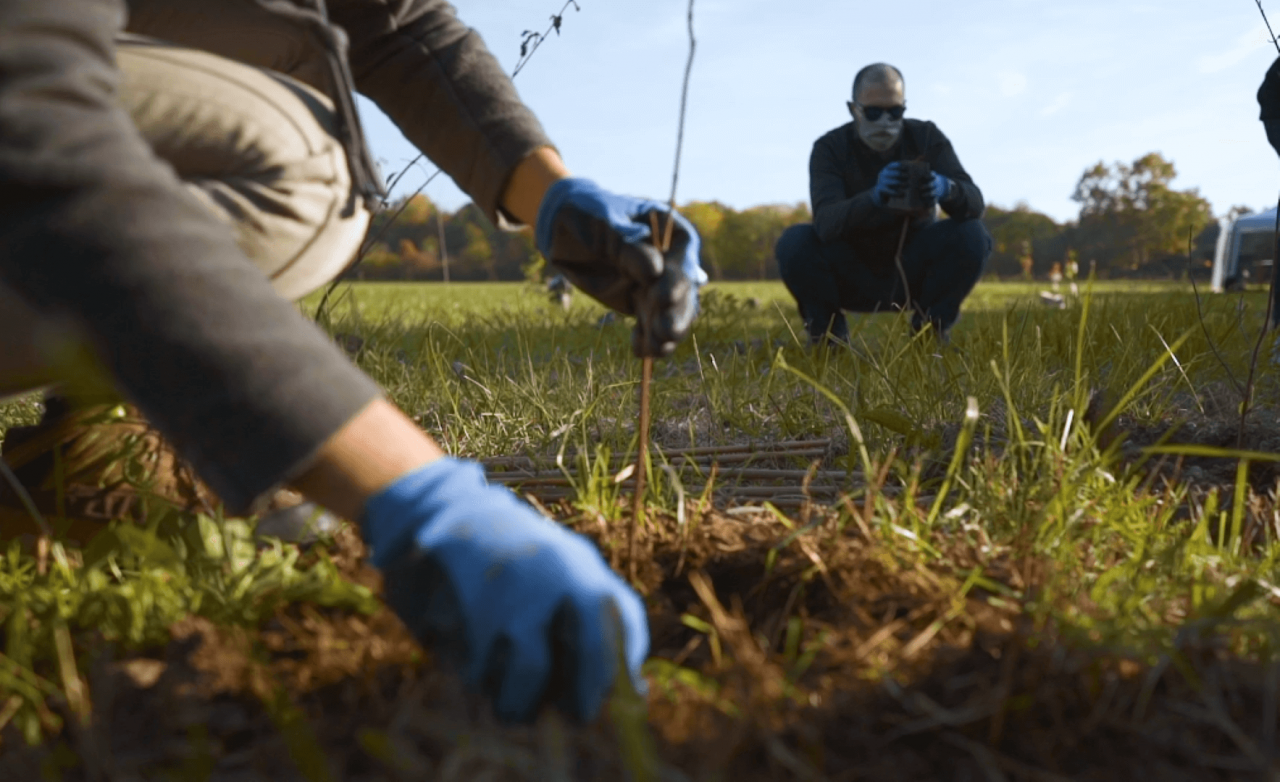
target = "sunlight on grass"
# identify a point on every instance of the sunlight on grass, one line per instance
(498, 370)
(1077, 466)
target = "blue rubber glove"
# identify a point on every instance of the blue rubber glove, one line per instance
(891, 182)
(935, 189)
(602, 243)
(528, 610)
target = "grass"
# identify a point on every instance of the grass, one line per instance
(494, 369)
(1051, 503)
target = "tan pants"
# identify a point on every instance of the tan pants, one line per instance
(256, 147)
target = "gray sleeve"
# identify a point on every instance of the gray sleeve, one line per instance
(434, 77)
(837, 215)
(95, 229)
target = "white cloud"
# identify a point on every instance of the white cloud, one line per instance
(1012, 83)
(1245, 45)
(1059, 103)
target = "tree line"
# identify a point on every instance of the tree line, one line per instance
(1132, 223)
(413, 239)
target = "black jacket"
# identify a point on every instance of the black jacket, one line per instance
(843, 170)
(1269, 92)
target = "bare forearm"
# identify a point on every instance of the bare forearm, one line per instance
(529, 182)
(377, 446)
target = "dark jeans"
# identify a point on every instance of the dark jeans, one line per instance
(942, 263)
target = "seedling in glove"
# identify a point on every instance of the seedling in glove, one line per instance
(933, 189)
(890, 184)
(603, 243)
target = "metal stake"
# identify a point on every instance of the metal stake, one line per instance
(646, 371)
(642, 427)
(642, 458)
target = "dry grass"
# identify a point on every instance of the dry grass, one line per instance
(827, 654)
(890, 564)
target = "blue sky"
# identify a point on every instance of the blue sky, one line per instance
(1030, 92)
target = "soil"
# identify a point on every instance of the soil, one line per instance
(899, 684)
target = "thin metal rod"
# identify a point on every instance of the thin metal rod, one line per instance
(642, 459)
(684, 103)
(646, 371)
(642, 432)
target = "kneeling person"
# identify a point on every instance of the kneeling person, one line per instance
(164, 194)
(867, 208)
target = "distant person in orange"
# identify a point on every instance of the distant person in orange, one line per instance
(1027, 261)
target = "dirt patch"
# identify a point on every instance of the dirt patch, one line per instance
(827, 657)
(1215, 432)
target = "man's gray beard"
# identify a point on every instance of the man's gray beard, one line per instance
(880, 143)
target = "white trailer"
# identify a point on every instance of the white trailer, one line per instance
(1228, 272)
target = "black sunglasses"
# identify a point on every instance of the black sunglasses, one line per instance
(874, 113)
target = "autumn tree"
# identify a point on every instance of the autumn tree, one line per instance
(419, 262)
(418, 210)
(1021, 227)
(707, 217)
(379, 263)
(1130, 215)
(743, 243)
(478, 252)
(522, 246)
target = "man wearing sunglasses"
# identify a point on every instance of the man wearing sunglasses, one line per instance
(875, 242)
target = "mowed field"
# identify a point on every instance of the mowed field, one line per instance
(1047, 550)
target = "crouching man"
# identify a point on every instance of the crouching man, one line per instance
(167, 189)
(875, 242)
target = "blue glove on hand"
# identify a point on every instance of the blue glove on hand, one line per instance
(602, 243)
(934, 189)
(528, 610)
(891, 182)
(941, 186)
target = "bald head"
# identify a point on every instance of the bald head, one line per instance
(879, 98)
(878, 77)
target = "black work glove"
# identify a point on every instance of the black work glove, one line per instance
(603, 243)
